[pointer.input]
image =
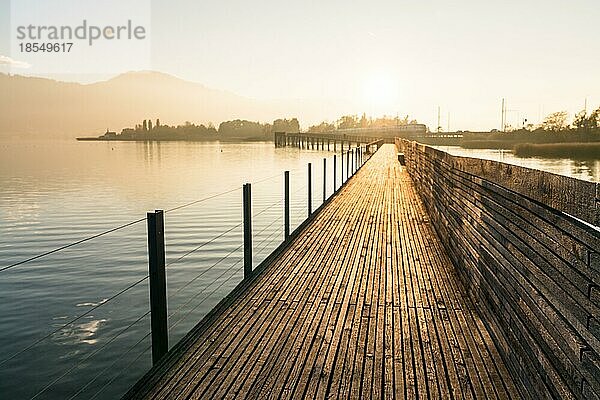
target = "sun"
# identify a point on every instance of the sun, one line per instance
(380, 92)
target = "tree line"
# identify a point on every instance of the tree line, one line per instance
(235, 129)
(559, 122)
(354, 121)
(254, 130)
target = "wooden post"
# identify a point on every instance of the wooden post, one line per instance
(247, 197)
(286, 206)
(324, 179)
(309, 189)
(158, 285)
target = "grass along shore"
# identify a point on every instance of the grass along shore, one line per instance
(584, 151)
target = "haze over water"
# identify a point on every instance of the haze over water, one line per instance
(78, 189)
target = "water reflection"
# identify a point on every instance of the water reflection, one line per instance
(56, 192)
(90, 304)
(588, 170)
(86, 332)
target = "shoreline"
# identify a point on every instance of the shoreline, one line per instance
(230, 140)
(573, 150)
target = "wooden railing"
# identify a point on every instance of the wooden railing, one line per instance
(526, 245)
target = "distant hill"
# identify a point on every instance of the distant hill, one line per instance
(32, 106)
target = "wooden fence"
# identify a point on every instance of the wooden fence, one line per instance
(526, 245)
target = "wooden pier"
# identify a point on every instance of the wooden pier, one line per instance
(322, 141)
(363, 303)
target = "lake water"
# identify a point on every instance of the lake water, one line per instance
(55, 193)
(587, 170)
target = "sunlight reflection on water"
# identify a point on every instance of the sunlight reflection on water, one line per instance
(53, 193)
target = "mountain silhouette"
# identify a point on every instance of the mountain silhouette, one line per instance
(32, 106)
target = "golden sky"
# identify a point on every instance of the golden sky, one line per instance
(383, 57)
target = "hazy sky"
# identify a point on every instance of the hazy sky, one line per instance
(392, 57)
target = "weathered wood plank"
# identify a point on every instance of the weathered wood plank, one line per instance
(527, 264)
(364, 303)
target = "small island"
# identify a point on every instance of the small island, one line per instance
(555, 137)
(244, 130)
(234, 130)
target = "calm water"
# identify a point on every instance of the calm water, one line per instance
(54, 193)
(588, 170)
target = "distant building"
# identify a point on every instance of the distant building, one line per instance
(388, 131)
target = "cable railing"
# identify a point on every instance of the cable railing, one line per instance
(111, 366)
(228, 270)
(66, 246)
(90, 355)
(71, 322)
(201, 274)
(282, 218)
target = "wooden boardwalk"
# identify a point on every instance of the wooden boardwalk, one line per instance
(363, 304)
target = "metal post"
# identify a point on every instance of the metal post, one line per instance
(334, 172)
(309, 189)
(158, 285)
(286, 201)
(342, 157)
(247, 197)
(324, 179)
(347, 164)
